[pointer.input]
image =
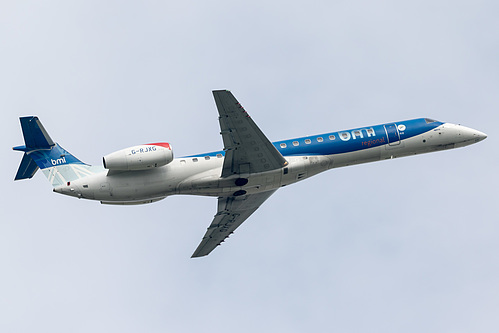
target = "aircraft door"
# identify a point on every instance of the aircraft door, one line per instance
(393, 135)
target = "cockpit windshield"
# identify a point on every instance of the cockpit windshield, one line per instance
(429, 121)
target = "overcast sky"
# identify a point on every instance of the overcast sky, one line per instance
(409, 245)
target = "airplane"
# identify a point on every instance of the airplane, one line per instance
(242, 176)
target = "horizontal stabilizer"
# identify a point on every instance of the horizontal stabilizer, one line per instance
(27, 168)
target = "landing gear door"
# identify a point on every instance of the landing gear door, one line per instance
(393, 135)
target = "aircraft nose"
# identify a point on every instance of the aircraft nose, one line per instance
(462, 136)
(475, 135)
(480, 136)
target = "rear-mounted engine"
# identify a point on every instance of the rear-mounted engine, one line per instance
(143, 157)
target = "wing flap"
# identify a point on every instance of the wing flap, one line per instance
(232, 212)
(247, 149)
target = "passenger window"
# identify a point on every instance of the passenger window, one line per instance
(345, 136)
(207, 158)
(320, 139)
(295, 143)
(182, 162)
(332, 137)
(219, 155)
(283, 145)
(308, 141)
(370, 131)
(194, 159)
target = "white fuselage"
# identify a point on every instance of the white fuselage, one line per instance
(201, 175)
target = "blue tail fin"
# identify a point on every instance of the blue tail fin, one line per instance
(40, 152)
(35, 135)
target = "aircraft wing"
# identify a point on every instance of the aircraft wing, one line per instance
(247, 149)
(232, 212)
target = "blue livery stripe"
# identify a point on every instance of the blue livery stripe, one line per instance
(349, 140)
(55, 156)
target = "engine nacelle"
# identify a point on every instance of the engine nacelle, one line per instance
(143, 157)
